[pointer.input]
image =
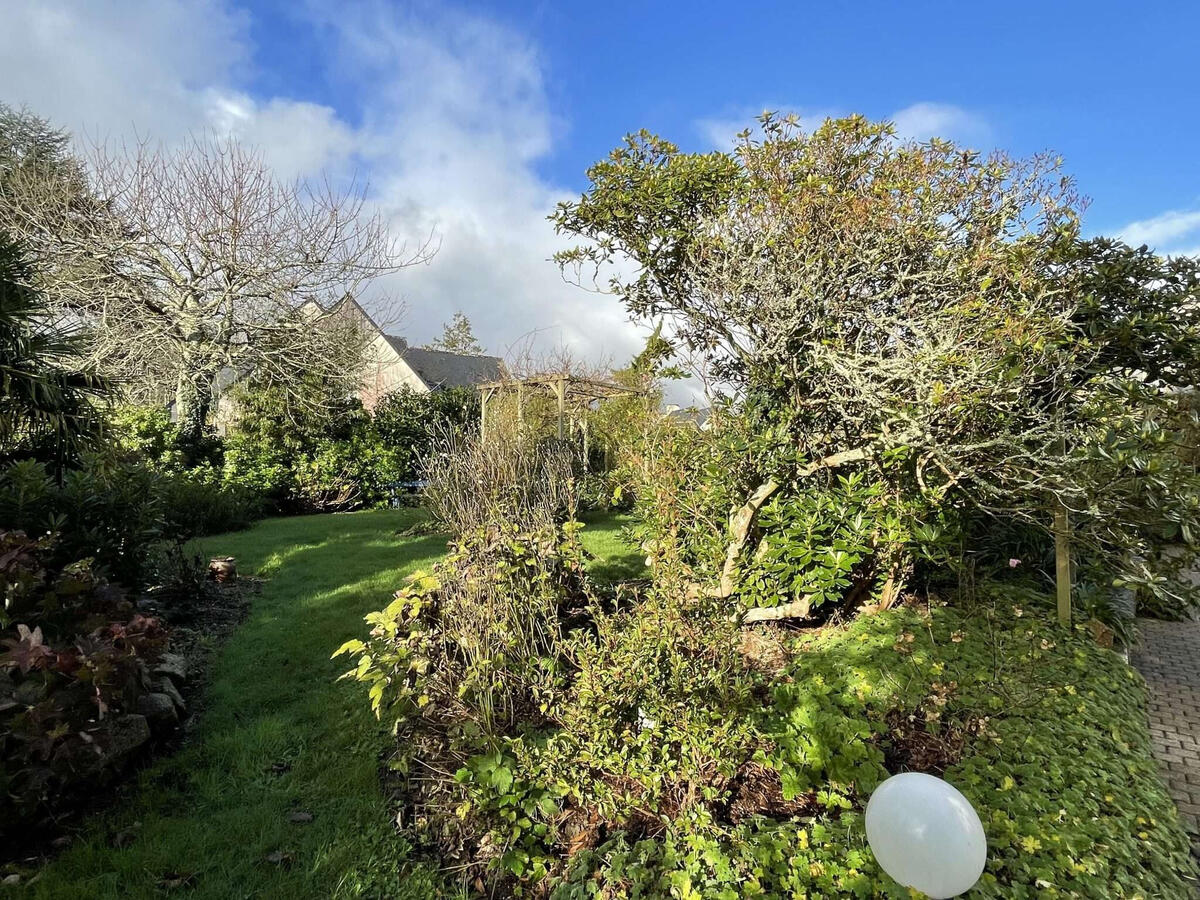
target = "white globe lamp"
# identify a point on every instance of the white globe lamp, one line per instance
(926, 835)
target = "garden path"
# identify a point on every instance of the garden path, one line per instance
(1168, 657)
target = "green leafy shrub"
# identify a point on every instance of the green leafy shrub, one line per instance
(346, 474)
(411, 424)
(476, 639)
(329, 454)
(826, 546)
(199, 502)
(108, 510)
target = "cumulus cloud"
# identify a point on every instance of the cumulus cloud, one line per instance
(923, 121)
(296, 138)
(1164, 231)
(456, 122)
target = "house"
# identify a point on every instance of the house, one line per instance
(392, 363)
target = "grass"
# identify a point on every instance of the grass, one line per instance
(614, 558)
(213, 813)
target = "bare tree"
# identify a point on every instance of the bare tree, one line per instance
(195, 261)
(530, 357)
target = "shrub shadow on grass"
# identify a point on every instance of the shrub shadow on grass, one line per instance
(624, 567)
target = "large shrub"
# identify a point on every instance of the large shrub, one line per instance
(109, 510)
(474, 649)
(329, 453)
(919, 314)
(412, 424)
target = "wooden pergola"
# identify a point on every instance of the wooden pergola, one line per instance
(570, 392)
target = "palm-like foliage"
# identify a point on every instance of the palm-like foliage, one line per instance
(47, 405)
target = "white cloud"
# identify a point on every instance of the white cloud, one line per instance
(923, 121)
(1162, 231)
(456, 121)
(295, 137)
(112, 68)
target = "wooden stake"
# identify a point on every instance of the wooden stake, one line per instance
(1062, 564)
(583, 426)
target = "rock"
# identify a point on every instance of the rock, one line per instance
(1101, 633)
(300, 818)
(144, 675)
(166, 686)
(11, 880)
(173, 666)
(158, 708)
(118, 738)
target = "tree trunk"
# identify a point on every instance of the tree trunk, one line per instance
(193, 399)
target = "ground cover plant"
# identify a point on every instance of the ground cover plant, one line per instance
(667, 767)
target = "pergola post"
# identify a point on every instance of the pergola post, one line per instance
(520, 409)
(483, 401)
(583, 426)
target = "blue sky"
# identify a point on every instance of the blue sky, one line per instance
(472, 120)
(1113, 87)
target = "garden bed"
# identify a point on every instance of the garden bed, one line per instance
(1040, 728)
(197, 628)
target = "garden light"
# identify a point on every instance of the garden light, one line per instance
(926, 835)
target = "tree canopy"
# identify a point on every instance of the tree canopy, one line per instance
(458, 337)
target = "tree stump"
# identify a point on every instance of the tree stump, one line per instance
(222, 568)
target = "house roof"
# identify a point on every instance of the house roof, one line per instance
(443, 369)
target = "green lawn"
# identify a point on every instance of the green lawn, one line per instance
(214, 812)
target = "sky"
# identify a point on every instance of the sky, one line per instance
(470, 121)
